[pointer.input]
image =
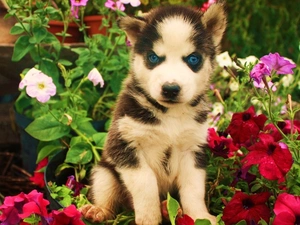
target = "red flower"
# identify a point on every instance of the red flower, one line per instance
(287, 210)
(69, 216)
(184, 220)
(274, 160)
(245, 125)
(38, 177)
(220, 145)
(285, 126)
(251, 208)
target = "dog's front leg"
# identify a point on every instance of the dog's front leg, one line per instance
(141, 183)
(191, 182)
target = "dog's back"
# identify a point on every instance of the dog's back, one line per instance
(155, 143)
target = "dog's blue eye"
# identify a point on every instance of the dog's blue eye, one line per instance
(193, 60)
(153, 58)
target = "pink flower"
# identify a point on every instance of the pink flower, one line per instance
(273, 159)
(114, 5)
(245, 125)
(259, 71)
(75, 4)
(206, 5)
(278, 63)
(251, 208)
(287, 210)
(133, 3)
(262, 85)
(38, 85)
(68, 216)
(95, 76)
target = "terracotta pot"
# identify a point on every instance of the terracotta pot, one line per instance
(94, 22)
(58, 27)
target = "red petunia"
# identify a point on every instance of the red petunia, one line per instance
(68, 216)
(38, 177)
(245, 126)
(220, 145)
(287, 210)
(251, 208)
(286, 127)
(274, 160)
(184, 220)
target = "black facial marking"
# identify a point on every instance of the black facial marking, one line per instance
(201, 116)
(197, 100)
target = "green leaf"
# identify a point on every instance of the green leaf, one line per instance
(242, 222)
(21, 48)
(172, 206)
(16, 29)
(46, 151)
(202, 222)
(47, 128)
(40, 33)
(80, 153)
(62, 167)
(100, 138)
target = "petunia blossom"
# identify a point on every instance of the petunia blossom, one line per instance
(95, 76)
(261, 85)
(40, 86)
(278, 63)
(220, 145)
(184, 220)
(75, 4)
(68, 216)
(206, 5)
(285, 126)
(287, 210)
(38, 176)
(114, 5)
(259, 71)
(251, 208)
(29, 77)
(245, 125)
(133, 3)
(273, 160)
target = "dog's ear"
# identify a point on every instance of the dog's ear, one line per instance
(214, 20)
(132, 27)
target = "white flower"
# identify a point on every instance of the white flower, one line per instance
(39, 85)
(218, 109)
(95, 76)
(133, 3)
(234, 86)
(249, 60)
(287, 80)
(224, 59)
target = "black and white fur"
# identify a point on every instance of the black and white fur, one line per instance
(155, 143)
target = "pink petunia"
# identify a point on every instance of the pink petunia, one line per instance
(38, 177)
(259, 71)
(278, 63)
(95, 76)
(287, 209)
(68, 216)
(75, 4)
(114, 5)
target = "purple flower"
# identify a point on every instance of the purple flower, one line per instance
(278, 63)
(259, 71)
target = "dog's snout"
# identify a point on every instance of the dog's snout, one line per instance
(170, 90)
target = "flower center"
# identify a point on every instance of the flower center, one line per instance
(271, 149)
(297, 221)
(247, 203)
(41, 86)
(246, 116)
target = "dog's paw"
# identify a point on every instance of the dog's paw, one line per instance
(95, 214)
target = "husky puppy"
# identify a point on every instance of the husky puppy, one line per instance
(159, 129)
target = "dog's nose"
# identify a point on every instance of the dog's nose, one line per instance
(170, 90)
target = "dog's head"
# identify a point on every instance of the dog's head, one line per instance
(173, 50)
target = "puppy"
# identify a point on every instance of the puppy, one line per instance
(159, 129)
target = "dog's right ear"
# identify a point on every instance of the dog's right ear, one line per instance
(132, 27)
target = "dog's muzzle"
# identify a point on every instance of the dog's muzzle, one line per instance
(170, 91)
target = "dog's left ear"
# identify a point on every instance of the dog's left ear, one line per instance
(132, 27)
(214, 20)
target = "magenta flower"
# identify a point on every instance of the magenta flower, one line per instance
(114, 5)
(251, 208)
(206, 5)
(278, 63)
(133, 3)
(95, 76)
(38, 176)
(262, 85)
(245, 125)
(259, 71)
(75, 4)
(287, 210)
(68, 216)
(273, 159)
(220, 145)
